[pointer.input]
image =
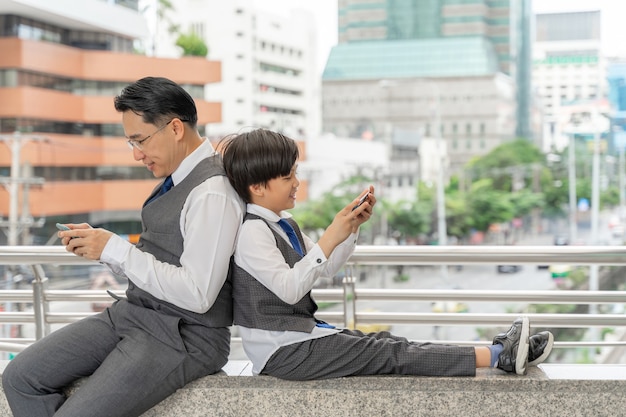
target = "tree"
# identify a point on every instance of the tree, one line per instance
(410, 219)
(459, 221)
(314, 216)
(488, 205)
(505, 162)
(192, 45)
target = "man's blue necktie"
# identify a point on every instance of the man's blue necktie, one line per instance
(165, 187)
(295, 243)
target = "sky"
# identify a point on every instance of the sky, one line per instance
(325, 11)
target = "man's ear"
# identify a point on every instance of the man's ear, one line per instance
(178, 127)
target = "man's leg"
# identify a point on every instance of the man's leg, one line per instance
(34, 380)
(140, 372)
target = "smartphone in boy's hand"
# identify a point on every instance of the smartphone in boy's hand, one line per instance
(361, 200)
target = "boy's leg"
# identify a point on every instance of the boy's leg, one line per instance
(34, 380)
(353, 353)
(540, 347)
(515, 343)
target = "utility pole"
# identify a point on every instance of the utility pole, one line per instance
(619, 139)
(14, 226)
(571, 170)
(16, 223)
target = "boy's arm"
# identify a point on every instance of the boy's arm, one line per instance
(258, 255)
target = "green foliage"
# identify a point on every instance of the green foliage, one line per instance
(410, 219)
(316, 215)
(192, 45)
(489, 205)
(459, 222)
(164, 9)
(503, 161)
(524, 201)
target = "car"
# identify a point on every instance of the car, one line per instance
(559, 271)
(449, 307)
(561, 241)
(558, 241)
(509, 269)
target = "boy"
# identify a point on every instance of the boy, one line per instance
(275, 269)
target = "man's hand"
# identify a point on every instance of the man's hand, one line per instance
(85, 241)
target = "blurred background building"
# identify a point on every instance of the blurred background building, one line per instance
(569, 69)
(410, 93)
(65, 158)
(268, 62)
(447, 71)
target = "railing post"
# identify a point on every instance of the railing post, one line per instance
(40, 305)
(349, 298)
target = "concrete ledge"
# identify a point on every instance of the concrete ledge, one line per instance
(491, 393)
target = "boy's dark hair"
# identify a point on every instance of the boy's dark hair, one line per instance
(256, 157)
(157, 100)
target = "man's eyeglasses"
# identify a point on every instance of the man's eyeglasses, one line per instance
(133, 143)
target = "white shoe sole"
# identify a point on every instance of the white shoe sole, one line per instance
(546, 351)
(521, 360)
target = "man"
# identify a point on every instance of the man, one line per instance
(173, 326)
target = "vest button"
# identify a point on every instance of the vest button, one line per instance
(319, 261)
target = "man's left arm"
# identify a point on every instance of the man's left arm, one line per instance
(209, 223)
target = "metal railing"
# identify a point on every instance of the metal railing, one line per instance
(41, 295)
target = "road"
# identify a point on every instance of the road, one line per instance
(474, 277)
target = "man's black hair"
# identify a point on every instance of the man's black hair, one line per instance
(157, 100)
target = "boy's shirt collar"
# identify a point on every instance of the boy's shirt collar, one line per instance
(266, 214)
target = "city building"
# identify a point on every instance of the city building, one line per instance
(269, 76)
(569, 68)
(331, 160)
(63, 156)
(439, 69)
(616, 77)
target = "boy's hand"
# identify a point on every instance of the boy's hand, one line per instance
(347, 221)
(364, 211)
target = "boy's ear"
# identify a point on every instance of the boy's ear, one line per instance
(256, 190)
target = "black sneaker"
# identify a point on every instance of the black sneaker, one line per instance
(514, 356)
(540, 346)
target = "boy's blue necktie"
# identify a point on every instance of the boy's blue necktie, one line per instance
(284, 224)
(295, 243)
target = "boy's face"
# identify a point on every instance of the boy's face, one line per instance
(279, 193)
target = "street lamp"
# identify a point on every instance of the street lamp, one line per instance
(442, 231)
(571, 170)
(441, 203)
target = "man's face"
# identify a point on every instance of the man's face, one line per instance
(151, 144)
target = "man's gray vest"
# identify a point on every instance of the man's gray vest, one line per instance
(162, 238)
(255, 306)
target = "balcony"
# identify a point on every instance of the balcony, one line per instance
(550, 389)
